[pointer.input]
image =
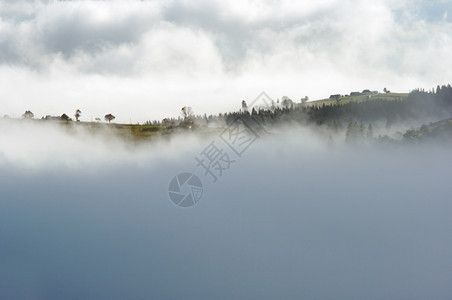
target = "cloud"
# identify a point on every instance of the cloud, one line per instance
(219, 50)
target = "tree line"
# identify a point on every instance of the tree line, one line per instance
(64, 117)
(418, 105)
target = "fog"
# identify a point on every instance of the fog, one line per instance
(85, 217)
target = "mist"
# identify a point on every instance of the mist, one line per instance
(295, 216)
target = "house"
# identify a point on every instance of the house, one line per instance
(63, 117)
(53, 118)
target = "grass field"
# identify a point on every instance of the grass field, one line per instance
(126, 131)
(361, 98)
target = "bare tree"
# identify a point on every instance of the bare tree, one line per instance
(77, 115)
(109, 118)
(186, 112)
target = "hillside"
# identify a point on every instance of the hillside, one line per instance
(380, 111)
(361, 98)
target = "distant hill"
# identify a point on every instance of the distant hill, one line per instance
(359, 98)
(370, 112)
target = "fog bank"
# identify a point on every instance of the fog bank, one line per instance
(292, 218)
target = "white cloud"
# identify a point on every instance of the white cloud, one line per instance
(222, 51)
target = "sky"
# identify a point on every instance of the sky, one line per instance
(144, 60)
(293, 218)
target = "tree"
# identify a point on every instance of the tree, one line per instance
(244, 106)
(109, 118)
(305, 99)
(362, 129)
(286, 102)
(370, 132)
(28, 115)
(167, 122)
(186, 112)
(97, 119)
(77, 115)
(353, 132)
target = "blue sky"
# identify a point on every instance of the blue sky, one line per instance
(144, 60)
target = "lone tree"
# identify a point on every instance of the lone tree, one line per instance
(244, 106)
(109, 118)
(77, 115)
(186, 112)
(28, 115)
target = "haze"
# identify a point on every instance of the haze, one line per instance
(293, 218)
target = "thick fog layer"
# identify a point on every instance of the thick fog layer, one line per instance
(158, 56)
(294, 217)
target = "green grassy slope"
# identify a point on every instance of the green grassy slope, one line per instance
(361, 98)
